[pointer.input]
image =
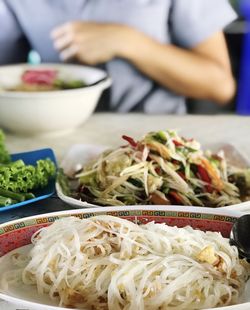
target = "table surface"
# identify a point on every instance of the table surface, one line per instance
(107, 129)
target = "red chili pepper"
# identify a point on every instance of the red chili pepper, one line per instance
(187, 140)
(176, 197)
(177, 143)
(204, 176)
(158, 170)
(176, 162)
(130, 140)
(182, 175)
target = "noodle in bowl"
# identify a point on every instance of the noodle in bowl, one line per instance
(107, 262)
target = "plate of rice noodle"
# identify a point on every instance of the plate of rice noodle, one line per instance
(162, 168)
(135, 257)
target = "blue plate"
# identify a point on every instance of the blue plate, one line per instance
(30, 158)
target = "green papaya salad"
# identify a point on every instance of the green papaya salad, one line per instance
(162, 168)
(18, 181)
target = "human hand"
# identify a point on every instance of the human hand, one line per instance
(90, 43)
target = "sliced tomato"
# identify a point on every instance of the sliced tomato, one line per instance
(158, 200)
(204, 176)
(175, 196)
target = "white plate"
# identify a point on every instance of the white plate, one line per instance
(26, 297)
(77, 156)
(80, 154)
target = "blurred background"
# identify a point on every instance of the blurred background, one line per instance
(234, 34)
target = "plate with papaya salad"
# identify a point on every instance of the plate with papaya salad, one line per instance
(162, 168)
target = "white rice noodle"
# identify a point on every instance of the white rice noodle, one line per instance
(109, 263)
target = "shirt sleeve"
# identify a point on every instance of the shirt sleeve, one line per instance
(194, 21)
(13, 45)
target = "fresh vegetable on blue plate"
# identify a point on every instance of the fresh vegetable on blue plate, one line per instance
(4, 155)
(19, 180)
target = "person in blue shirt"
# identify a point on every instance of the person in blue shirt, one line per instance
(157, 51)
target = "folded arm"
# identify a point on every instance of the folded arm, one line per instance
(201, 72)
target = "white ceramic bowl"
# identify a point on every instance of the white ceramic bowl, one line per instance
(49, 112)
